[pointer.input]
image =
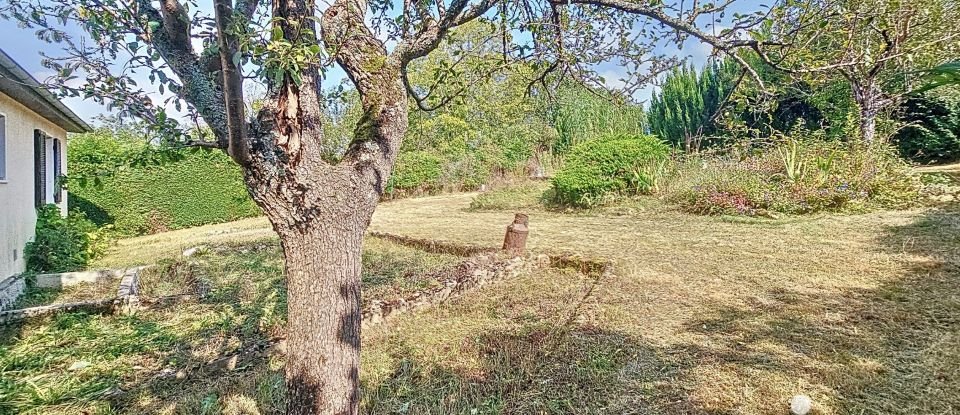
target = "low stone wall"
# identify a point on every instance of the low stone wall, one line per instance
(69, 279)
(435, 247)
(473, 272)
(10, 289)
(125, 301)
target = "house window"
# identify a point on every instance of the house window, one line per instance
(3, 147)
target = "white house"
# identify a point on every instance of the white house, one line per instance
(33, 143)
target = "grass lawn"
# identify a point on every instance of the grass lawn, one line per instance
(157, 360)
(710, 315)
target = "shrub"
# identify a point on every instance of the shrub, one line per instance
(931, 133)
(795, 176)
(63, 244)
(196, 188)
(598, 170)
(415, 171)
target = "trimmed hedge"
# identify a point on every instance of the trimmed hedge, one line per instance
(597, 170)
(416, 171)
(201, 188)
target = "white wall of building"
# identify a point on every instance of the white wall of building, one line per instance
(17, 212)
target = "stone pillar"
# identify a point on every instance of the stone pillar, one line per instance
(515, 241)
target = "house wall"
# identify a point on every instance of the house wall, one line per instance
(17, 213)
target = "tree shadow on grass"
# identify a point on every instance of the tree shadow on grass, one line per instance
(158, 360)
(533, 370)
(890, 349)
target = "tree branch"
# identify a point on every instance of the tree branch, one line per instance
(199, 86)
(237, 145)
(688, 27)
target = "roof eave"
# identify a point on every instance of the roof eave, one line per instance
(23, 87)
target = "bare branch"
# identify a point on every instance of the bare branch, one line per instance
(237, 145)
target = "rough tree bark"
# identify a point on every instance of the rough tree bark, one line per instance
(320, 210)
(870, 101)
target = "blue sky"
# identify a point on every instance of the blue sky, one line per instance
(25, 48)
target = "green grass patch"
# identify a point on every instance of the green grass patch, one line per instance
(147, 363)
(524, 196)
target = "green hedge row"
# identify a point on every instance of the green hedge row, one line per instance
(200, 188)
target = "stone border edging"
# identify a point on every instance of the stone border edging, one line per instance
(10, 290)
(125, 301)
(434, 246)
(473, 272)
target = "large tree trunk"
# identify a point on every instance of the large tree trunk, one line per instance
(323, 319)
(321, 212)
(320, 209)
(870, 101)
(868, 124)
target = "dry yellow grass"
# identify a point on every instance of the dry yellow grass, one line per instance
(705, 315)
(148, 249)
(861, 312)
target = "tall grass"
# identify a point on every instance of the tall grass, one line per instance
(580, 115)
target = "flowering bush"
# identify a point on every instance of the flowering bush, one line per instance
(794, 177)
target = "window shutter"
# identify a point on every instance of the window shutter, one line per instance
(57, 172)
(40, 169)
(3, 147)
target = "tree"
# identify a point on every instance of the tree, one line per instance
(877, 46)
(683, 112)
(320, 206)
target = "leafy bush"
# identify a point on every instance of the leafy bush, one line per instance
(415, 171)
(195, 188)
(794, 176)
(597, 170)
(63, 244)
(931, 133)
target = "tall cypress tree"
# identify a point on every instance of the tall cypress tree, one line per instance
(682, 111)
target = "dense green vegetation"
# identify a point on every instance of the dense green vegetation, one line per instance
(685, 110)
(931, 129)
(614, 166)
(580, 114)
(63, 243)
(120, 179)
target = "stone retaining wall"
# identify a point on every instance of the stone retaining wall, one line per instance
(125, 301)
(473, 272)
(10, 289)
